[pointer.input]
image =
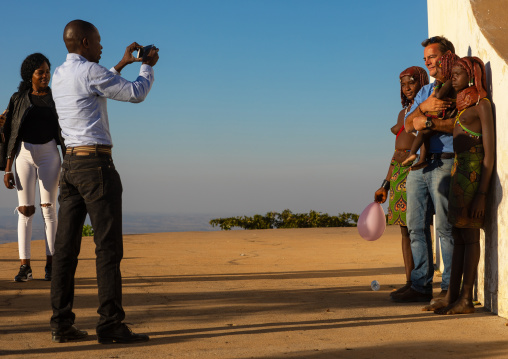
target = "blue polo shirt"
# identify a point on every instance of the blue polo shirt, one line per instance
(440, 142)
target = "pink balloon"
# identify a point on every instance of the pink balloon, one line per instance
(372, 222)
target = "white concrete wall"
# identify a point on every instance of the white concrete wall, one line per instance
(455, 20)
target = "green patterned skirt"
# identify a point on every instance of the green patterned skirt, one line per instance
(398, 198)
(466, 174)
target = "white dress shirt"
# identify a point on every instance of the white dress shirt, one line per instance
(80, 89)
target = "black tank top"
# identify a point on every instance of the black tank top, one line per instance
(40, 123)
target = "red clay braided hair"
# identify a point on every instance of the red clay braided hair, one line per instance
(446, 63)
(477, 82)
(417, 73)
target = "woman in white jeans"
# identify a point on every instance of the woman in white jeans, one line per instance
(31, 135)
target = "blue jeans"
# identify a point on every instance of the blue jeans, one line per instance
(88, 184)
(427, 193)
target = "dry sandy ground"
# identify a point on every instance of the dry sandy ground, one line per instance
(268, 294)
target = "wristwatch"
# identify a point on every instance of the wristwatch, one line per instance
(428, 123)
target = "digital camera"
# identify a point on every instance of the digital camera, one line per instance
(144, 50)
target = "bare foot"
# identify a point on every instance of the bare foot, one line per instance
(409, 160)
(435, 305)
(461, 306)
(440, 296)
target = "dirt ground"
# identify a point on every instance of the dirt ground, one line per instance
(302, 293)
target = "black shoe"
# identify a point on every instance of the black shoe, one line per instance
(401, 289)
(69, 333)
(25, 274)
(410, 296)
(48, 269)
(121, 334)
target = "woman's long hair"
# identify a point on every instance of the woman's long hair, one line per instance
(28, 67)
(477, 89)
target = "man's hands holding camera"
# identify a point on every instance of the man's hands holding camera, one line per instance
(149, 58)
(152, 56)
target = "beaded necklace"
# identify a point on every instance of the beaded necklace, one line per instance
(468, 131)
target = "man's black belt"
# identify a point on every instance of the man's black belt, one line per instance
(443, 156)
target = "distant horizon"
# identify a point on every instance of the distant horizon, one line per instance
(8, 210)
(133, 223)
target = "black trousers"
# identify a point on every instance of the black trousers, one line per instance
(88, 184)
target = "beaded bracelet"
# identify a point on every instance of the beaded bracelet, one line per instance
(385, 185)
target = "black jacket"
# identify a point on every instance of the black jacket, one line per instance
(19, 105)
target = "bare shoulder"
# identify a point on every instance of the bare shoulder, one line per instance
(483, 108)
(484, 104)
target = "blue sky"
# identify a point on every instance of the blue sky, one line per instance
(257, 105)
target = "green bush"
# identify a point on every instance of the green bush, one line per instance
(87, 231)
(287, 219)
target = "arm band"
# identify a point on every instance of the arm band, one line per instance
(386, 185)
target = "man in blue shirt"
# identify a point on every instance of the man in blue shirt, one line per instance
(427, 188)
(89, 182)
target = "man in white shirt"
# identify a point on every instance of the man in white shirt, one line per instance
(89, 182)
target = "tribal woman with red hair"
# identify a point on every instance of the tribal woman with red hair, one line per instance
(474, 147)
(411, 80)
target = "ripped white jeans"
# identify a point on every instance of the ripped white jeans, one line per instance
(34, 162)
